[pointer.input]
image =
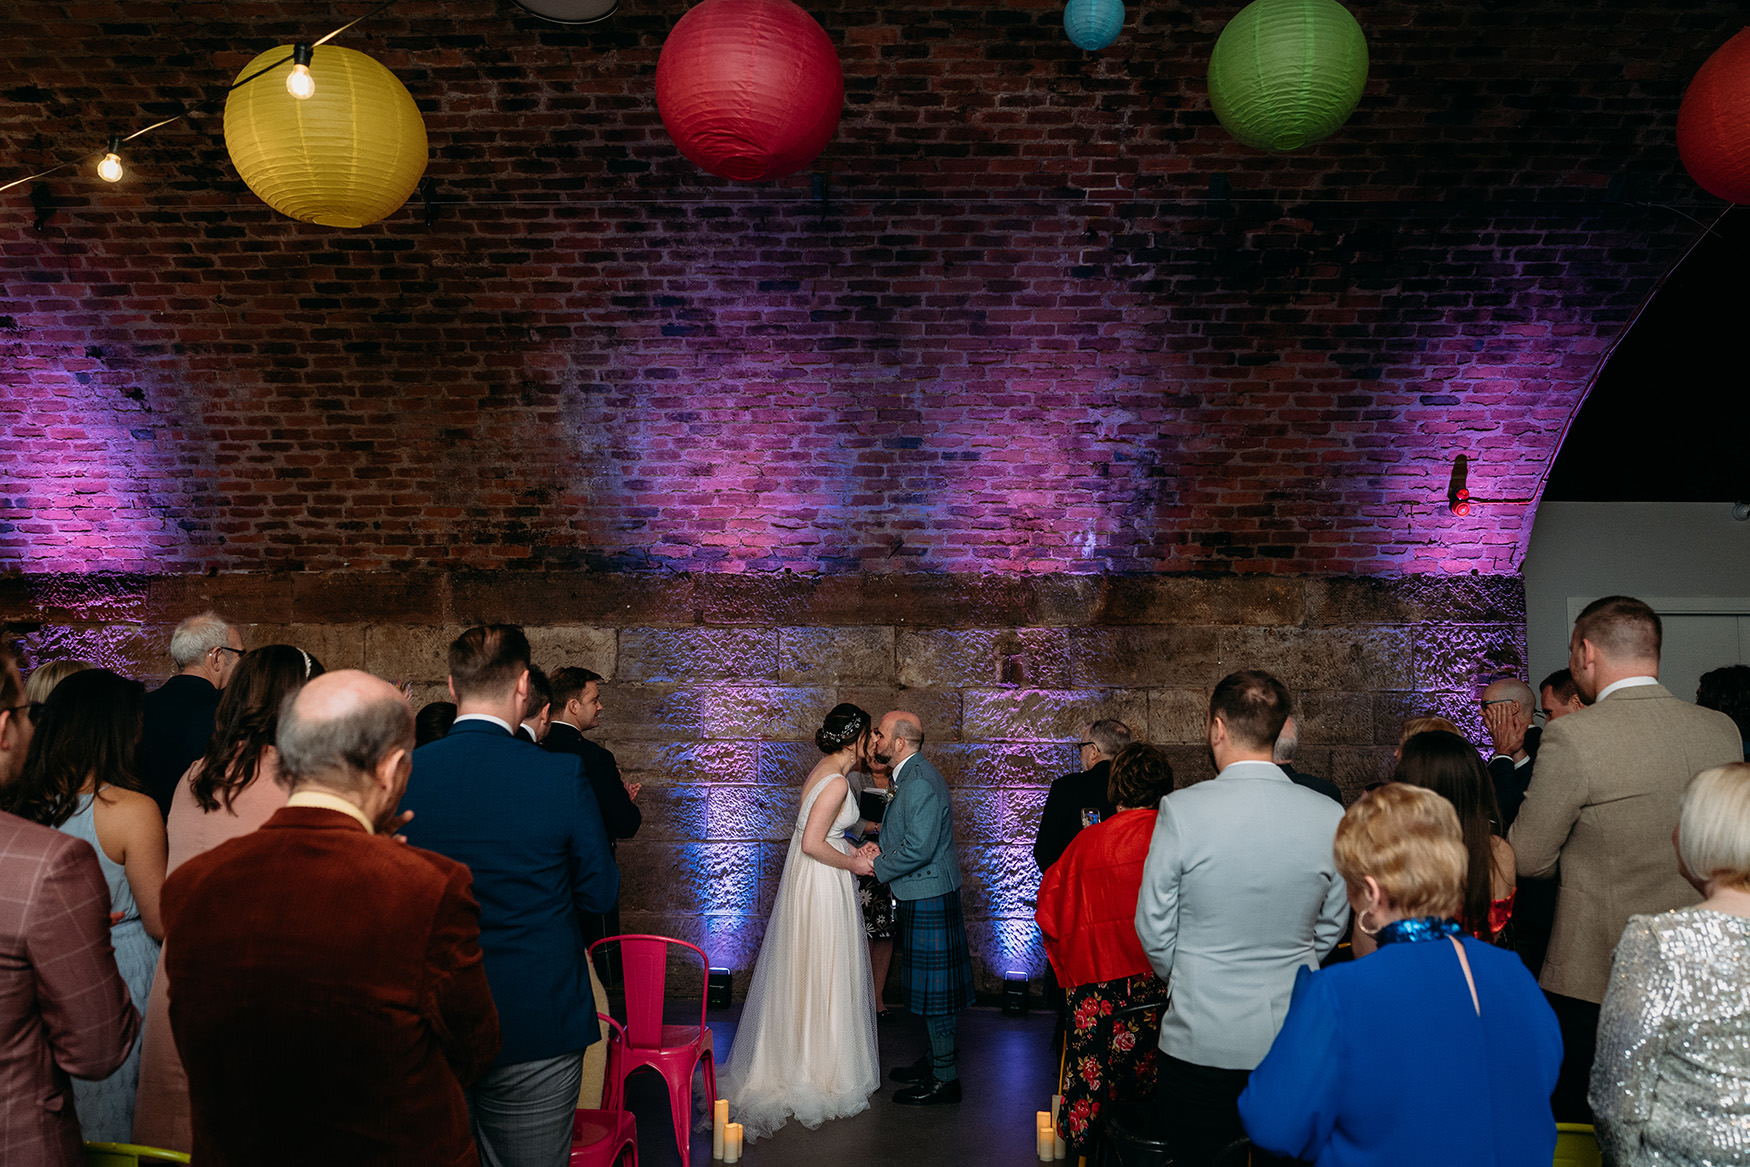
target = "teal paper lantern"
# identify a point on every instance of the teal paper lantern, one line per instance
(1093, 24)
(1286, 73)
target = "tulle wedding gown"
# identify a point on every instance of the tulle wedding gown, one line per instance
(805, 1048)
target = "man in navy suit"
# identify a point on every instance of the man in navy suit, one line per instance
(526, 824)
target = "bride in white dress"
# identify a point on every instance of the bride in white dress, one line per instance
(805, 1047)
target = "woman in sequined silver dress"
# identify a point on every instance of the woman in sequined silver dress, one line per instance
(1671, 1083)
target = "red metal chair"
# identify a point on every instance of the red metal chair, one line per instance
(600, 1137)
(674, 1051)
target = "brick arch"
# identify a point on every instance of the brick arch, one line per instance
(1040, 315)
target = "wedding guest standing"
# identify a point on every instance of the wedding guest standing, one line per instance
(63, 1007)
(328, 993)
(1238, 892)
(79, 777)
(1087, 913)
(179, 713)
(230, 792)
(873, 791)
(1671, 1084)
(1438, 1050)
(524, 822)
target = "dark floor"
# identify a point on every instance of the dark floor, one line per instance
(1006, 1064)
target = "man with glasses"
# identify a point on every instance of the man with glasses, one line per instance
(179, 713)
(1080, 800)
(62, 1002)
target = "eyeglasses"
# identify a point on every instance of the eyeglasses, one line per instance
(35, 708)
(228, 648)
(1083, 745)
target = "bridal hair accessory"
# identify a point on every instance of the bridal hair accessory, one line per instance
(306, 657)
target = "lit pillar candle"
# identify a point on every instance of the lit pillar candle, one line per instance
(1044, 1137)
(732, 1143)
(719, 1123)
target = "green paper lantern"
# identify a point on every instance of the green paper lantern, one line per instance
(1286, 73)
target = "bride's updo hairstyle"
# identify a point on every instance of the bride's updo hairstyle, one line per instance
(844, 725)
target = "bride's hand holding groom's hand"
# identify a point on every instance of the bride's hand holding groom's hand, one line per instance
(863, 859)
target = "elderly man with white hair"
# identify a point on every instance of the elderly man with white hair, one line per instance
(179, 713)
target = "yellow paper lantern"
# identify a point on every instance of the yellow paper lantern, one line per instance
(347, 156)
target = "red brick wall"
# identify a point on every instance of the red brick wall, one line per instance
(1017, 335)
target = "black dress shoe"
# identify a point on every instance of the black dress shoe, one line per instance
(918, 1071)
(931, 1092)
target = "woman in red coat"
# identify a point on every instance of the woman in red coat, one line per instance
(1087, 912)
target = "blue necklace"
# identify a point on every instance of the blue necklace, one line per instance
(1413, 931)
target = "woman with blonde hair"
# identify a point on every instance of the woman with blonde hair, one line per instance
(1436, 1050)
(1671, 1083)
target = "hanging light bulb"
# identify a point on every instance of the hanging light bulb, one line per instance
(110, 169)
(299, 83)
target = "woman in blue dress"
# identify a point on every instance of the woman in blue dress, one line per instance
(1438, 1049)
(79, 777)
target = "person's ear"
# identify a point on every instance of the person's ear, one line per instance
(7, 733)
(451, 682)
(389, 766)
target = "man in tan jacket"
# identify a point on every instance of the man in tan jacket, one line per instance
(1603, 805)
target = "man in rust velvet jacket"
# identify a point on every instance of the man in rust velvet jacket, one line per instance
(330, 1002)
(63, 1007)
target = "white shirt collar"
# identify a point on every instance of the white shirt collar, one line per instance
(500, 722)
(894, 777)
(327, 801)
(1253, 768)
(1625, 683)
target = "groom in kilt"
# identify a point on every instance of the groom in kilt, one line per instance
(919, 862)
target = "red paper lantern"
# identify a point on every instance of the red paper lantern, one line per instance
(749, 89)
(1713, 124)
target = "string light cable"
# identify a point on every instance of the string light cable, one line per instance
(109, 157)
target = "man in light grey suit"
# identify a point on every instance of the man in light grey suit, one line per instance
(1240, 890)
(1602, 805)
(917, 859)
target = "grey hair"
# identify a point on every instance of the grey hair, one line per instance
(342, 751)
(197, 636)
(907, 730)
(1109, 736)
(1286, 743)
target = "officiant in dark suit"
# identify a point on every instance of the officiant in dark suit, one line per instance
(1080, 800)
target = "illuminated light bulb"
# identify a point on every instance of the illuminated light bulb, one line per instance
(110, 169)
(299, 83)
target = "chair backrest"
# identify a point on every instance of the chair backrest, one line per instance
(644, 961)
(1577, 1146)
(129, 1155)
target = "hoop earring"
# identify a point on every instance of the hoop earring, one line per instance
(1361, 923)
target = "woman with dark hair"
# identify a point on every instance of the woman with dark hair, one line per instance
(1087, 914)
(81, 777)
(1449, 765)
(805, 1048)
(229, 791)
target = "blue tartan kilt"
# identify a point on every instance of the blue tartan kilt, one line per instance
(935, 968)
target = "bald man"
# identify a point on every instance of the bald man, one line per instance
(1507, 707)
(918, 860)
(330, 1000)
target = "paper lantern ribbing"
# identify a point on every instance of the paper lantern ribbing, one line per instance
(1286, 73)
(347, 156)
(1093, 24)
(749, 89)
(1713, 123)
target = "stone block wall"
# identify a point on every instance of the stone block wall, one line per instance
(717, 683)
